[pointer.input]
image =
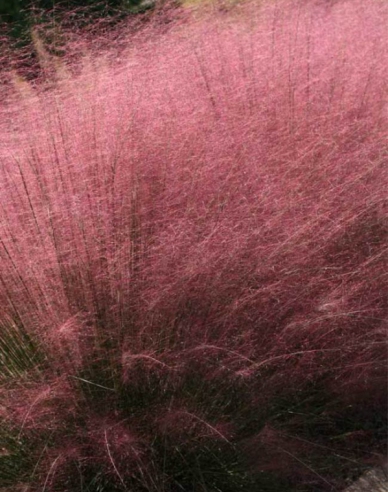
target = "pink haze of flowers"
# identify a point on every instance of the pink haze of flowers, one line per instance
(194, 239)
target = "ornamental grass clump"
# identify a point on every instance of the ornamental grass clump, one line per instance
(193, 253)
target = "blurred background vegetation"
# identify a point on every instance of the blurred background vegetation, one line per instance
(17, 17)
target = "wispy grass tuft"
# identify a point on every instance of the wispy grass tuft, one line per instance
(193, 253)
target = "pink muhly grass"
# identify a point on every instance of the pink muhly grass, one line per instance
(193, 253)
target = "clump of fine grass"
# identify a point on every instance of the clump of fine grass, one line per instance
(193, 254)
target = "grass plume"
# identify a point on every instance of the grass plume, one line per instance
(193, 253)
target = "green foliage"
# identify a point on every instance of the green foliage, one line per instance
(19, 353)
(15, 463)
(22, 15)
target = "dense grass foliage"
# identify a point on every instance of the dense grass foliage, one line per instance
(19, 15)
(193, 253)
